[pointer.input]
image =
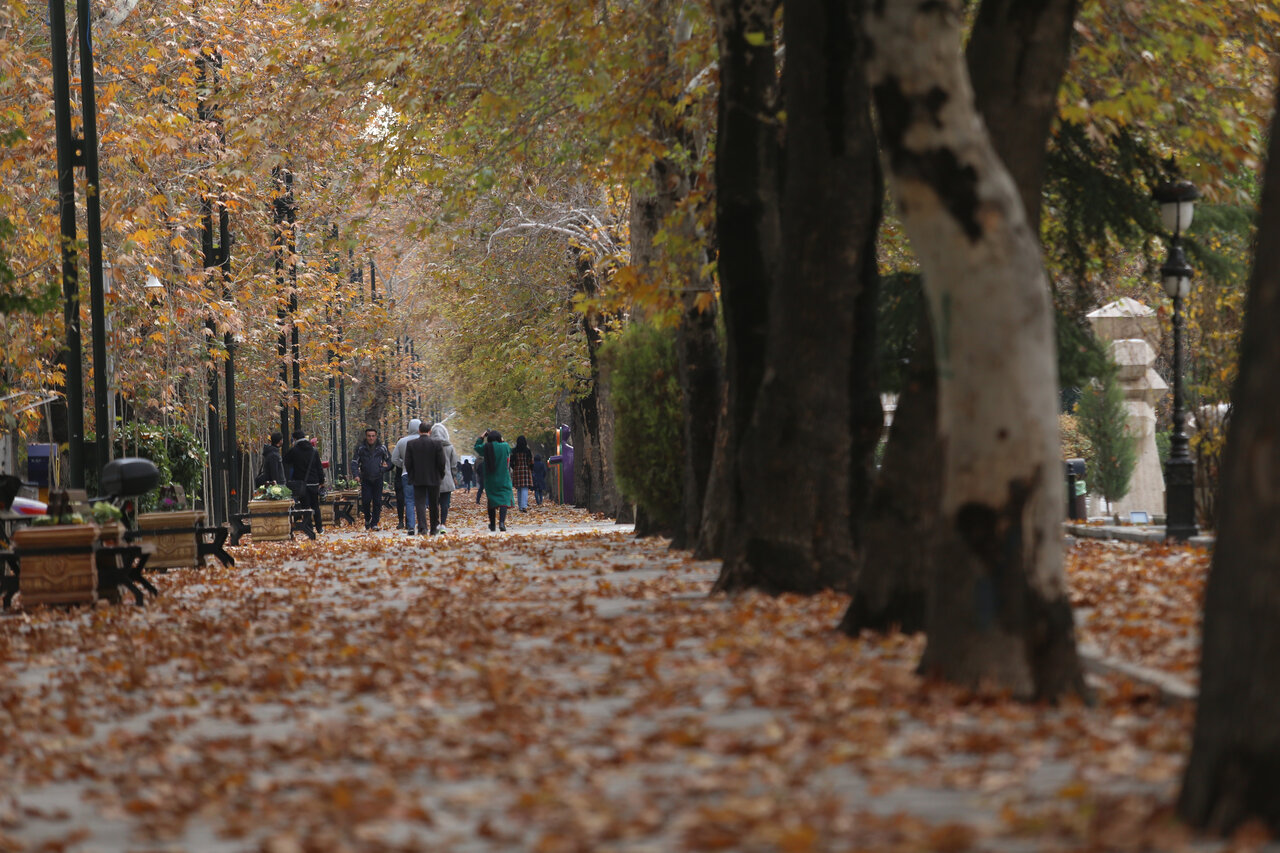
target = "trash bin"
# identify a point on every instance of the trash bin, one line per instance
(1077, 491)
(39, 464)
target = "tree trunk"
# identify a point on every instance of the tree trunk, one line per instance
(891, 590)
(749, 239)
(698, 351)
(817, 415)
(713, 529)
(697, 344)
(594, 484)
(1000, 614)
(1017, 54)
(1234, 771)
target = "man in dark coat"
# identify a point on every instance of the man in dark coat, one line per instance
(424, 462)
(371, 461)
(272, 470)
(306, 474)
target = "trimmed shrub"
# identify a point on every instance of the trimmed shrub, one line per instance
(648, 435)
(1104, 420)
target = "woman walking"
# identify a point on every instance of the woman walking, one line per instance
(441, 434)
(468, 474)
(522, 472)
(496, 454)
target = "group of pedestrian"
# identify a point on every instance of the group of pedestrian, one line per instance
(424, 461)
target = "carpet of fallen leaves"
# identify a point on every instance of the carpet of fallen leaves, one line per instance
(1140, 603)
(560, 687)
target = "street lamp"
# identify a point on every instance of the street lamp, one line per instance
(1177, 206)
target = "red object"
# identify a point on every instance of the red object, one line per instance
(324, 464)
(25, 506)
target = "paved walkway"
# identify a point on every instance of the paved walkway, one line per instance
(558, 687)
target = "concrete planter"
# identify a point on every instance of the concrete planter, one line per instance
(58, 566)
(173, 534)
(269, 520)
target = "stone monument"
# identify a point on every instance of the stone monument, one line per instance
(1131, 333)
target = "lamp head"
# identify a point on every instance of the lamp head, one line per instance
(1177, 200)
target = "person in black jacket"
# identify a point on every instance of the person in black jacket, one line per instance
(306, 474)
(272, 470)
(370, 462)
(424, 462)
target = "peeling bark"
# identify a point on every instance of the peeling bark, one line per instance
(1233, 774)
(1016, 56)
(1000, 613)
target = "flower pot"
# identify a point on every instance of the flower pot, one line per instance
(58, 566)
(269, 520)
(174, 535)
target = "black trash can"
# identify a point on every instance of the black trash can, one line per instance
(1077, 491)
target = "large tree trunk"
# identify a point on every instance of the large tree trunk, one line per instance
(1017, 54)
(594, 485)
(1016, 57)
(1000, 613)
(698, 351)
(749, 237)
(1234, 771)
(817, 415)
(654, 208)
(900, 542)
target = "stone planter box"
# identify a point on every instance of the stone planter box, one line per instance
(173, 534)
(269, 520)
(58, 566)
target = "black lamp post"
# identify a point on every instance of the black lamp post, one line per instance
(1177, 206)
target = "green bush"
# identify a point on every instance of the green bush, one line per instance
(1104, 421)
(174, 449)
(648, 438)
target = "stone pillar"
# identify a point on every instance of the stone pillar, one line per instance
(1131, 332)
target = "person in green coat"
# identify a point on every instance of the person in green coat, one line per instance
(497, 476)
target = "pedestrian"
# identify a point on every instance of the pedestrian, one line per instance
(522, 471)
(479, 478)
(398, 484)
(539, 477)
(497, 476)
(406, 485)
(306, 475)
(424, 462)
(447, 484)
(468, 473)
(370, 462)
(272, 468)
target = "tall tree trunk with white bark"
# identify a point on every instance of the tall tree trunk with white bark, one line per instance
(999, 614)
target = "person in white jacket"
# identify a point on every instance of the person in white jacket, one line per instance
(448, 484)
(397, 459)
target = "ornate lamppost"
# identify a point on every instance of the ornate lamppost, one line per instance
(1177, 206)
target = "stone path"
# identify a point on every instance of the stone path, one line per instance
(559, 687)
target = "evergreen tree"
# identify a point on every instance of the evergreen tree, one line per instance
(1104, 421)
